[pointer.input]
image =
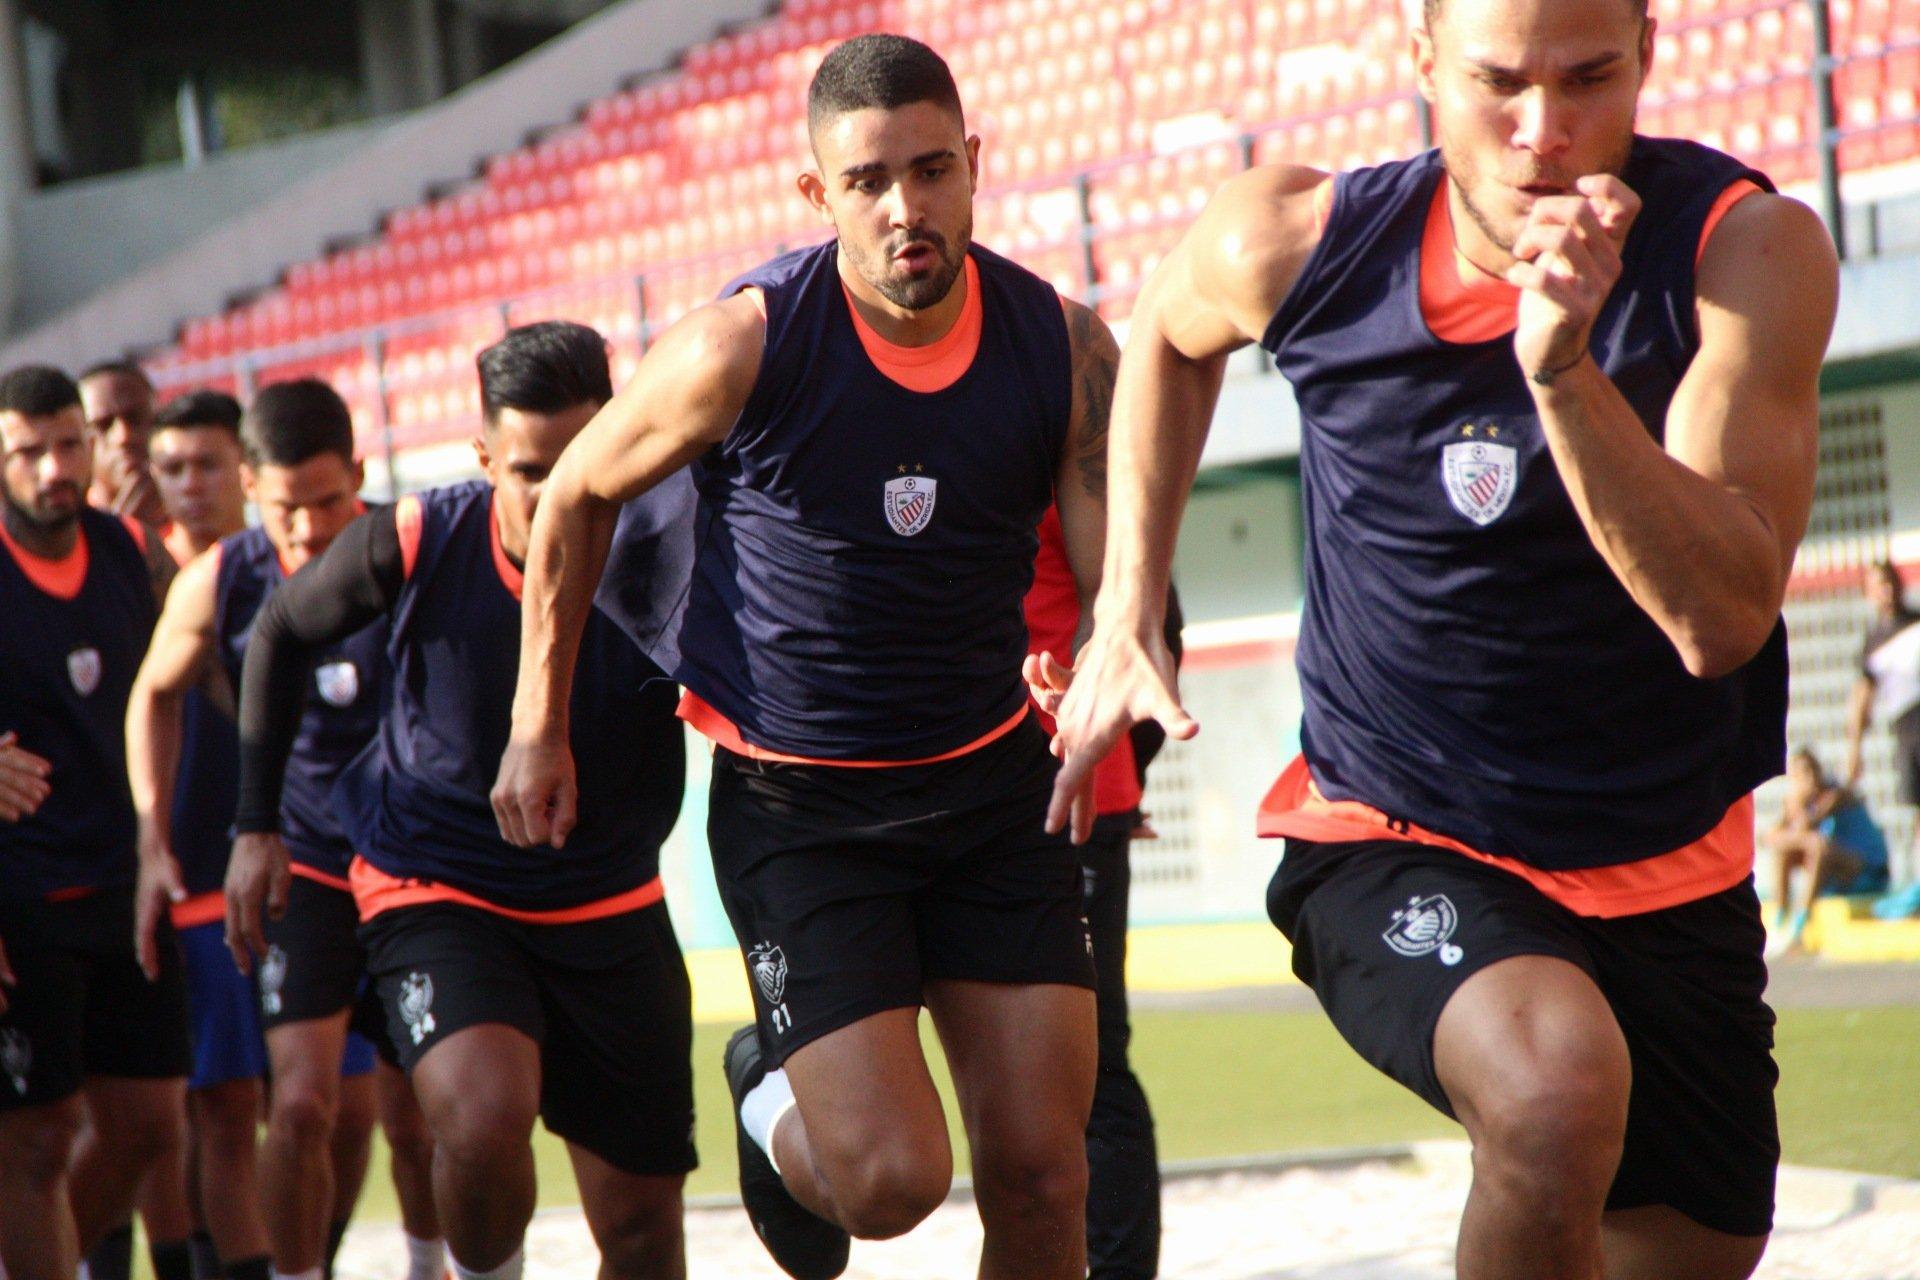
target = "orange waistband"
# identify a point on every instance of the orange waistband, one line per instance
(306, 872)
(374, 891)
(201, 908)
(1715, 862)
(699, 713)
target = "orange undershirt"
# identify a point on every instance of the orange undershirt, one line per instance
(62, 578)
(925, 370)
(201, 908)
(1469, 308)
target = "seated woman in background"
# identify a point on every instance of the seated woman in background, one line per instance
(1826, 832)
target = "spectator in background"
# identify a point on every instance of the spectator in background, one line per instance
(1826, 832)
(1123, 1170)
(118, 400)
(1888, 689)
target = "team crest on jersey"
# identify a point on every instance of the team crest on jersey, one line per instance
(83, 668)
(16, 1058)
(1480, 478)
(338, 682)
(1424, 926)
(908, 502)
(416, 1005)
(273, 976)
(769, 965)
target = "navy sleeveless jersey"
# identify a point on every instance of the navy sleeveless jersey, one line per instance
(66, 668)
(342, 703)
(862, 550)
(1467, 660)
(205, 791)
(417, 801)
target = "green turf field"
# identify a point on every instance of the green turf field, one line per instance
(1226, 1084)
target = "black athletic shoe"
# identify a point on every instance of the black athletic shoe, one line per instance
(806, 1246)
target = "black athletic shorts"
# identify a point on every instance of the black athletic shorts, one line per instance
(607, 1001)
(1385, 932)
(848, 888)
(80, 1006)
(315, 965)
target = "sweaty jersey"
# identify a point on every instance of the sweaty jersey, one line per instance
(416, 802)
(861, 549)
(1468, 662)
(71, 645)
(340, 712)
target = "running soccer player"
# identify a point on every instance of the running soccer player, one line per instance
(1558, 388)
(78, 1020)
(118, 400)
(515, 988)
(877, 425)
(302, 475)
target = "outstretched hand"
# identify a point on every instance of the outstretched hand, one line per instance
(1119, 681)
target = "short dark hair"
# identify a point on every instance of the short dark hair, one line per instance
(290, 422)
(37, 391)
(117, 368)
(884, 71)
(204, 408)
(1431, 10)
(547, 367)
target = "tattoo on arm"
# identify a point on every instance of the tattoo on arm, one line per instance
(1096, 360)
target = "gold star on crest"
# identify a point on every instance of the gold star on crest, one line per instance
(1467, 430)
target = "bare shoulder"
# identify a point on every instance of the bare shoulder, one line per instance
(1221, 286)
(721, 339)
(1770, 250)
(1261, 226)
(1087, 332)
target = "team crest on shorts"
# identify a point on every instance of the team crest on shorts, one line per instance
(83, 668)
(16, 1058)
(1424, 926)
(908, 502)
(769, 965)
(273, 976)
(416, 1005)
(338, 682)
(1480, 478)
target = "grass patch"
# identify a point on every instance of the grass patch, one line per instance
(1225, 1084)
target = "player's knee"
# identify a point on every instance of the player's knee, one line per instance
(301, 1113)
(39, 1144)
(1034, 1180)
(892, 1190)
(1555, 1120)
(483, 1133)
(646, 1239)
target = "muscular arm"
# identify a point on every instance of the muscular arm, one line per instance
(1703, 532)
(686, 395)
(354, 582)
(1215, 293)
(1081, 488)
(179, 657)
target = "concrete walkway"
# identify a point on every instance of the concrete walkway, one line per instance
(1390, 1216)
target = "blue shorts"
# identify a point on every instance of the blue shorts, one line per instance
(227, 1044)
(225, 1015)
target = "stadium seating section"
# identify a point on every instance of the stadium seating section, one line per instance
(1107, 123)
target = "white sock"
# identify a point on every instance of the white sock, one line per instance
(426, 1259)
(761, 1109)
(313, 1273)
(508, 1270)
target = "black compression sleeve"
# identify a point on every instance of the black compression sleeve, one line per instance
(332, 596)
